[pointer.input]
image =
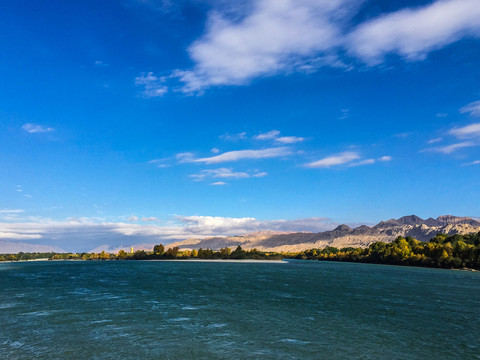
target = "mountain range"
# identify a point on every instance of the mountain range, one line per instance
(341, 236)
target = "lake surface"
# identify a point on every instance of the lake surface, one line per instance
(204, 310)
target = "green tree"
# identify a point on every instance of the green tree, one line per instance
(158, 249)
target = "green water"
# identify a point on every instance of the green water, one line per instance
(206, 310)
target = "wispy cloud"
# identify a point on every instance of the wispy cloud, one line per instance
(414, 32)
(362, 162)
(403, 135)
(185, 157)
(433, 141)
(35, 128)
(273, 134)
(466, 132)
(334, 160)
(132, 218)
(11, 211)
(218, 183)
(153, 86)
(289, 139)
(226, 174)
(476, 162)
(448, 149)
(385, 158)
(220, 173)
(234, 137)
(245, 154)
(160, 163)
(11, 214)
(370, 161)
(473, 108)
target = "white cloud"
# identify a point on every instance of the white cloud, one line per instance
(363, 162)
(185, 157)
(35, 128)
(246, 154)
(215, 151)
(18, 236)
(218, 183)
(476, 162)
(433, 141)
(234, 137)
(225, 174)
(11, 211)
(448, 149)
(273, 134)
(334, 160)
(473, 108)
(469, 131)
(371, 161)
(385, 158)
(132, 218)
(220, 173)
(153, 86)
(413, 33)
(275, 36)
(289, 139)
(160, 163)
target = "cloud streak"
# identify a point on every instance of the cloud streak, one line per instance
(245, 154)
(473, 108)
(225, 173)
(334, 160)
(466, 132)
(448, 149)
(35, 128)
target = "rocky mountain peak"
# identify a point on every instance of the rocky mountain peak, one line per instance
(343, 228)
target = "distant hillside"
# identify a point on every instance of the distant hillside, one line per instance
(342, 236)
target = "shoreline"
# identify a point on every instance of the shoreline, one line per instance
(239, 261)
(220, 260)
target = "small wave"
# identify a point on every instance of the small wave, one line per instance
(7, 305)
(180, 319)
(295, 341)
(41, 313)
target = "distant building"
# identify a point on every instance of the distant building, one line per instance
(131, 249)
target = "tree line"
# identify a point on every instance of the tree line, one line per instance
(446, 251)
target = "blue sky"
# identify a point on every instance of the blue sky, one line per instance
(126, 122)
